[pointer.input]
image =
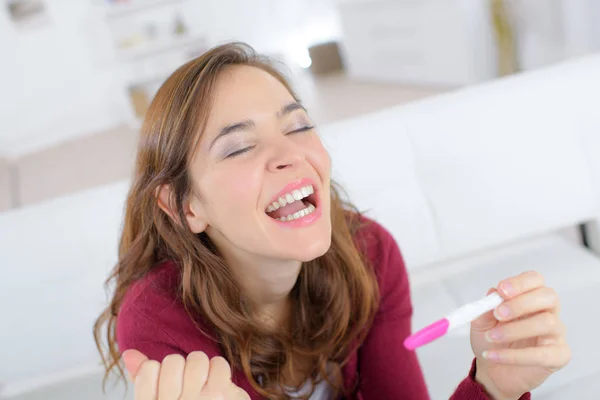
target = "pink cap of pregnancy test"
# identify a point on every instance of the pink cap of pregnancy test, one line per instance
(427, 334)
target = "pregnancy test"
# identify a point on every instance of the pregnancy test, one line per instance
(457, 318)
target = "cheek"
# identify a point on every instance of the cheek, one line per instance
(319, 157)
(236, 190)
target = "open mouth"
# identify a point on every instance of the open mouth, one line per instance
(294, 205)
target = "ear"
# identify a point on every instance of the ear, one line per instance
(192, 208)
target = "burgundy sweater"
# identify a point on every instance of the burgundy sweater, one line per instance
(153, 320)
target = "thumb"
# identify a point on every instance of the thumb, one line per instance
(486, 321)
(133, 360)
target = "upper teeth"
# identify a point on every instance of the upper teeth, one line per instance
(291, 197)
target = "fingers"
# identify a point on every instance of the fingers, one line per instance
(231, 392)
(239, 393)
(195, 375)
(551, 357)
(219, 377)
(133, 360)
(545, 324)
(177, 378)
(146, 381)
(170, 383)
(485, 321)
(530, 332)
(531, 302)
(520, 284)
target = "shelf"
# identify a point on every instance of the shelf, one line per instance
(117, 10)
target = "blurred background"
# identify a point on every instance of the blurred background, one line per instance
(76, 77)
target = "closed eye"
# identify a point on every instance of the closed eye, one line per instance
(239, 152)
(246, 149)
(303, 129)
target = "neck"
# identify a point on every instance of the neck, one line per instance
(268, 285)
(266, 282)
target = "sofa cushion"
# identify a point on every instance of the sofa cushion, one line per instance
(60, 252)
(582, 389)
(495, 168)
(480, 167)
(372, 159)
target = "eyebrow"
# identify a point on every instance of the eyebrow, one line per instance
(249, 124)
(285, 110)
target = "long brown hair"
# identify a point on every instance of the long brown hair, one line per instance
(335, 297)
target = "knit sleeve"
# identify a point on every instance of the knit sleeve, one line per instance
(469, 389)
(135, 330)
(386, 369)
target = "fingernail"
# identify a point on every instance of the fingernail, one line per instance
(507, 289)
(502, 312)
(494, 335)
(491, 355)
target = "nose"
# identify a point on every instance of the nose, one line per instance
(284, 156)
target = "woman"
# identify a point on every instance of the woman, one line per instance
(242, 274)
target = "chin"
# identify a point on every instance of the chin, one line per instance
(313, 250)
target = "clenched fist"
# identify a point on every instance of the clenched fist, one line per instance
(177, 378)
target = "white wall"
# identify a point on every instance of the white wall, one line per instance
(53, 87)
(550, 31)
(274, 25)
(50, 88)
(582, 26)
(594, 17)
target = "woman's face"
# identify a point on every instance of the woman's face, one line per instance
(261, 174)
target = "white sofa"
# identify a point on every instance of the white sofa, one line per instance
(475, 185)
(484, 183)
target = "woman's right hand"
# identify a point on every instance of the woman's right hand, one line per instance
(177, 378)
